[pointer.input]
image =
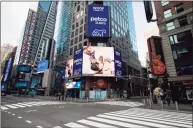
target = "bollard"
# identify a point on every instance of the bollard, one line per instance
(177, 107)
(75, 99)
(162, 105)
(150, 105)
(87, 99)
(144, 102)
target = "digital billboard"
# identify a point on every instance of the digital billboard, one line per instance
(118, 64)
(42, 66)
(69, 68)
(98, 61)
(7, 69)
(21, 84)
(24, 68)
(77, 66)
(98, 21)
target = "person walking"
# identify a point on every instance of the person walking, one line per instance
(168, 96)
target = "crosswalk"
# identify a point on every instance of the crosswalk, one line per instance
(28, 104)
(121, 103)
(135, 118)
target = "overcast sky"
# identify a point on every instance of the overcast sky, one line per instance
(13, 16)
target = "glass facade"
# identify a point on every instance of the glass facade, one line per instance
(122, 22)
(63, 27)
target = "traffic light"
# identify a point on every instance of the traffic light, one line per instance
(148, 10)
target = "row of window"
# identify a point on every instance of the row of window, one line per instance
(179, 8)
(77, 47)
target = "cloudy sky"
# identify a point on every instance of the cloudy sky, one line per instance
(13, 16)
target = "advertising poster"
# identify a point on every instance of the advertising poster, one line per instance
(69, 68)
(24, 68)
(77, 66)
(118, 64)
(98, 21)
(98, 61)
(7, 69)
(42, 66)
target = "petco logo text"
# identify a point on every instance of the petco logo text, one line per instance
(98, 19)
(98, 8)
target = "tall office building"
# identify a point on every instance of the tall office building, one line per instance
(122, 30)
(175, 27)
(23, 54)
(46, 18)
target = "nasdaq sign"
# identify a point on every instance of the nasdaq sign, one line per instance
(98, 21)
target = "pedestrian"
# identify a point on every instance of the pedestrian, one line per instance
(168, 96)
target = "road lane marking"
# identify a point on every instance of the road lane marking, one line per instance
(28, 121)
(75, 125)
(9, 112)
(19, 117)
(39, 126)
(11, 106)
(13, 114)
(4, 108)
(19, 105)
(57, 127)
(95, 124)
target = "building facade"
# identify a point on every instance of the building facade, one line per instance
(175, 26)
(72, 21)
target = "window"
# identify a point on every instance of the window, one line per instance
(71, 51)
(170, 26)
(80, 38)
(75, 48)
(76, 40)
(71, 42)
(179, 8)
(80, 46)
(73, 27)
(78, 8)
(183, 21)
(81, 22)
(77, 24)
(81, 29)
(164, 2)
(72, 35)
(167, 13)
(76, 32)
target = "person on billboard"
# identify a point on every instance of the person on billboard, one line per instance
(69, 68)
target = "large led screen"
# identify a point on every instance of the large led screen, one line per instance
(98, 21)
(98, 61)
(24, 68)
(42, 66)
(77, 66)
(69, 68)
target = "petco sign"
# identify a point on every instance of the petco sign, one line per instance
(98, 21)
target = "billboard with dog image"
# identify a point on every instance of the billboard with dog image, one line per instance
(98, 61)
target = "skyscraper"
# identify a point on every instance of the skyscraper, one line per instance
(122, 30)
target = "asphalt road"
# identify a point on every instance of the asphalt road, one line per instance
(20, 112)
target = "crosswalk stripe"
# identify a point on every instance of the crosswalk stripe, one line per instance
(75, 125)
(152, 118)
(95, 124)
(156, 114)
(19, 105)
(155, 122)
(134, 120)
(4, 108)
(24, 104)
(122, 124)
(11, 106)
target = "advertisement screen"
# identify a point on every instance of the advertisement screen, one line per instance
(21, 84)
(77, 66)
(7, 69)
(24, 68)
(98, 61)
(69, 68)
(42, 66)
(34, 81)
(98, 21)
(118, 64)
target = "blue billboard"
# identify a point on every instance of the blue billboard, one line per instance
(118, 64)
(24, 68)
(7, 69)
(42, 66)
(77, 65)
(21, 84)
(98, 21)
